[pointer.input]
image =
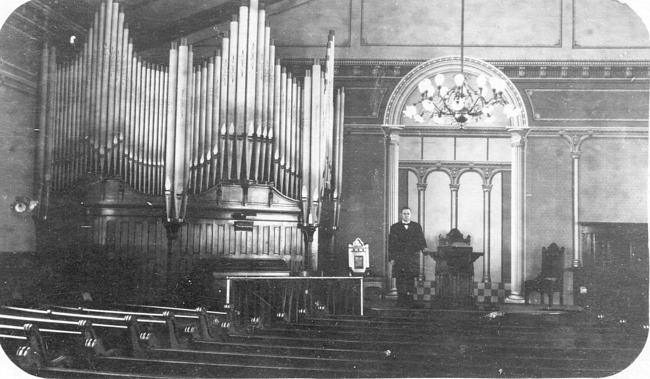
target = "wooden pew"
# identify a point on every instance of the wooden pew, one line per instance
(51, 345)
(470, 345)
(30, 355)
(199, 323)
(124, 333)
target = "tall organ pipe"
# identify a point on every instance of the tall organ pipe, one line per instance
(184, 128)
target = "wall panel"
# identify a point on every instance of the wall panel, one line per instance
(437, 23)
(591, 32)
(614, 180)
(331, 15)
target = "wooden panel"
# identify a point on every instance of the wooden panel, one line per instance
(511, 23)
(219, 237)
(614, 275)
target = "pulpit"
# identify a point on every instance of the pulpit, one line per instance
(454, 270)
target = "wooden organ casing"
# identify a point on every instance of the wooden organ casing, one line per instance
(230, 157)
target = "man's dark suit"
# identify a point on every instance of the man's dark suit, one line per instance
(404, 245)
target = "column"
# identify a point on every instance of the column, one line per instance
(422, 187)
(487, 189)
(454, 205)
(518, 143)
(391, 133)
(575, 143)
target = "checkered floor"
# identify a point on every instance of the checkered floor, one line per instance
(485, 292)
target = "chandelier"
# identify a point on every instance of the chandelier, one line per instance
(462, 102)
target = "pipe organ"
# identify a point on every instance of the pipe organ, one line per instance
(232, 137)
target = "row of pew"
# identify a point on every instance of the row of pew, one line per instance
(144, 341)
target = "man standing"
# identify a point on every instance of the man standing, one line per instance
(405, 241)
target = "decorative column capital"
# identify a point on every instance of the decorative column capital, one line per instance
(575, 142)
(487, 188)
(486, 174)
(454, 187)
(421, 187)
(518, 136)
(392, 133)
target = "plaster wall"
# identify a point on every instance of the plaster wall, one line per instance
(363, 198)
(548, 200)
(17, 147)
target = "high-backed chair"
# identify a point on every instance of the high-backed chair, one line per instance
(550, 279)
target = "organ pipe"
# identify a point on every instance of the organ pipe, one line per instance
(238, 117)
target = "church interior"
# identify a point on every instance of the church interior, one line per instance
(205, 188)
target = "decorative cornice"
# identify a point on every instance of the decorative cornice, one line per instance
(416, 62)
(596, 132)
(535, 131)
(515, 69)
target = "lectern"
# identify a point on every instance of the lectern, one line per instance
(454, 270)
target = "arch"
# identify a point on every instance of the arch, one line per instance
(447, 65)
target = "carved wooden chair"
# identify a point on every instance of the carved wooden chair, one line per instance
(550, 280)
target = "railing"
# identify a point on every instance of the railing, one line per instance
(293, 298)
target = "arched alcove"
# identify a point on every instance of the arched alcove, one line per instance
(406, 92)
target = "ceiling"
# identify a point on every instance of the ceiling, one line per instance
(153, 23)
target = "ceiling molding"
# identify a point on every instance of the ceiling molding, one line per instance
(144, 39)
(201, 26)
(57, 17)
(16, 82)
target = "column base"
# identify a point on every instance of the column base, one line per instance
(391, 292)
(390, 295)
(514, 299)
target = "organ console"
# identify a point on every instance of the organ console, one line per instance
(234, 133)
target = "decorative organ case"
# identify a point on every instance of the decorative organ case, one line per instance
(230, 157)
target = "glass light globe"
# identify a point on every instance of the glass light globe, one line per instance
(459, 79)
(439, 79)
(424, 85)
(444, 91)
(410, 111)
(438, 119)
(508, 108)
(514, 112)
(481, 81)
(428, 106)
(428, 91)
(488, 109)
(497, 84)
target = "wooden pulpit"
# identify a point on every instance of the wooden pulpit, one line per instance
(454, 270)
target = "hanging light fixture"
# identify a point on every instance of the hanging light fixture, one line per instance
(462, 102)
